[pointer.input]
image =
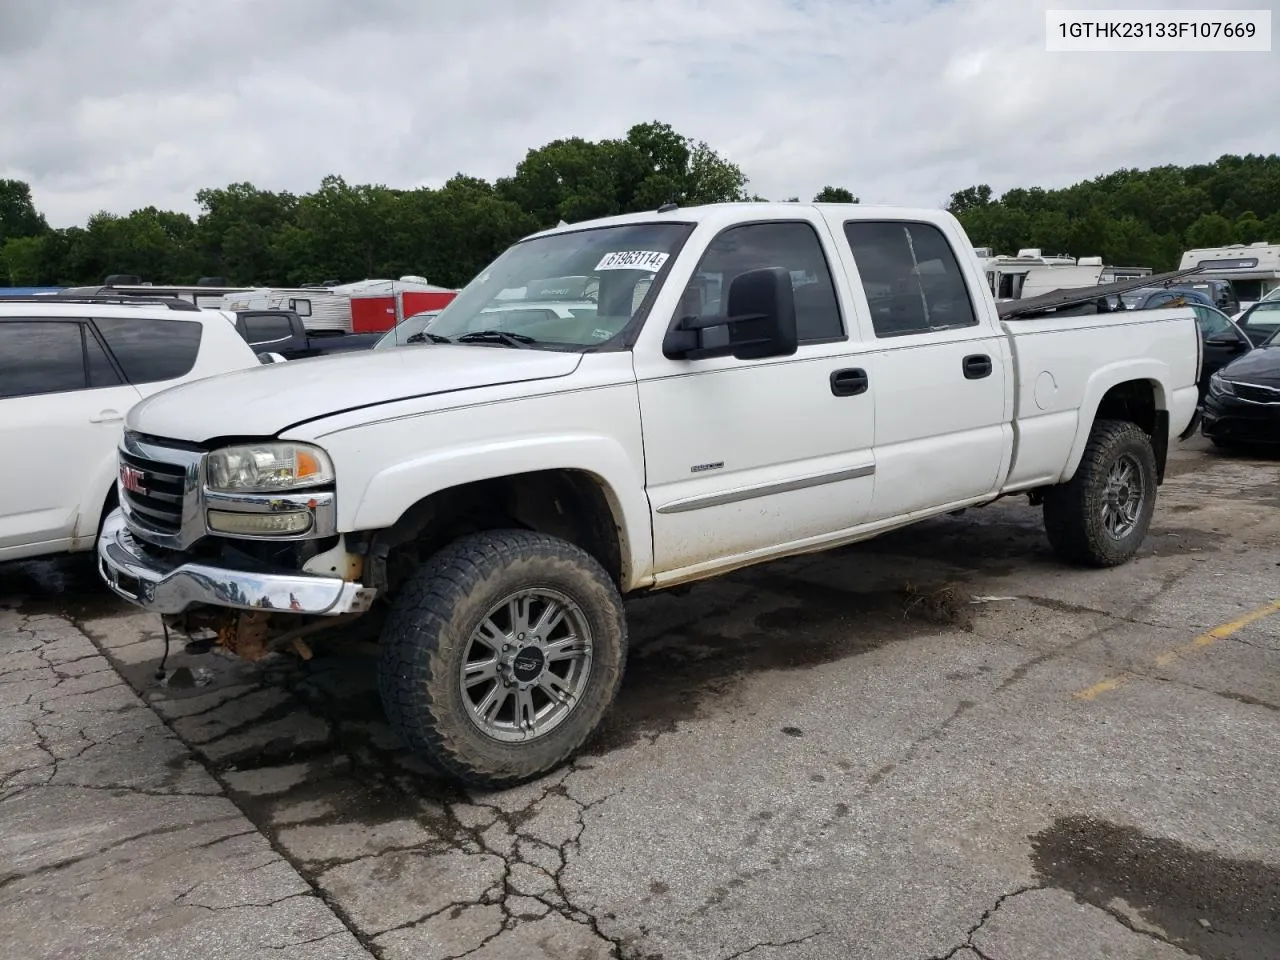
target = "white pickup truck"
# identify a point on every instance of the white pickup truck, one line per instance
(747, 382)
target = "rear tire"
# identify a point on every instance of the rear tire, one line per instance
(474, 716)
(1100, 517)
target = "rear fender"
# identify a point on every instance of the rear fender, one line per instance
(1152, 371)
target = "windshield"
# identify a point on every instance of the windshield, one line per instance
(565, 291)
(406, 331)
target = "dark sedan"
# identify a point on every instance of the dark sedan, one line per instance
(1243, 401)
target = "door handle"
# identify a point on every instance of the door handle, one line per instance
(107, 416)
(848, 383)
(977, 366)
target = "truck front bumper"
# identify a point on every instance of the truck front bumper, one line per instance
(146, 578)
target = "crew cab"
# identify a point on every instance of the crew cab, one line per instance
(283, 332)
(754, 381)
(70, 370)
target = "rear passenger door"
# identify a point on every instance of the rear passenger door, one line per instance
(62, 403)
(941, 371)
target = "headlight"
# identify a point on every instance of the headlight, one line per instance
(268, 467)
(1219, 387)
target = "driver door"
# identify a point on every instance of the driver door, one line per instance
(745, 456)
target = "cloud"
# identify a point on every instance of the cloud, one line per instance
(142, 102)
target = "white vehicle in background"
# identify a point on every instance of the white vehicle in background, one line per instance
(1031, 273)
(70, 371)
(1253, 269)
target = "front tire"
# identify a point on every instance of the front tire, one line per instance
(1101, 516)
(500, 656)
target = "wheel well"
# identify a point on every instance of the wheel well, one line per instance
(1136, 402)
(110, 503)
(570, 504)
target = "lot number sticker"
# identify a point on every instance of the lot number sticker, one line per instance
(633, 260)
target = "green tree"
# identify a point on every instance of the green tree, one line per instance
(835, 195)
(18, 214)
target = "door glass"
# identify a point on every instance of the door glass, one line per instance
(911, 277)
(148, 350)
(267, 329)
(40, 356)
(795, 247)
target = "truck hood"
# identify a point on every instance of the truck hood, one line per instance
(262, 401)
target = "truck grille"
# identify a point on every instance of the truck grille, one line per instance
(153, 492)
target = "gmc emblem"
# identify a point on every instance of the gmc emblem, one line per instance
(131, 478)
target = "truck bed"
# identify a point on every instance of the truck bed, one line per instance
(1057, 376)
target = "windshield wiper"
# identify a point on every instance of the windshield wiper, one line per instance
(496, 336)
(425, 337)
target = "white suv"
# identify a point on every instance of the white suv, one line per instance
(70, 369)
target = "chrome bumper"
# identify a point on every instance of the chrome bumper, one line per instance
(146, 580)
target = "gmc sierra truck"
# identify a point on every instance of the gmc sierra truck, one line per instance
(748, 382)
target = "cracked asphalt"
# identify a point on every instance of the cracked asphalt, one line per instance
(941, 743)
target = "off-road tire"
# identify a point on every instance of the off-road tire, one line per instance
(426, 636)
(1073, 510)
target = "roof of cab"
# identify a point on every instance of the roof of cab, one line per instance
(766, 210)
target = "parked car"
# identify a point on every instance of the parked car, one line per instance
(1260, 321)
(750, 382)
(283, 332)
(409, 330)
(1147, 298)
(70, 371)
(1243, 403)
(1219, 293)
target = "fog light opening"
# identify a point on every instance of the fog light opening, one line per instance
(260, 524)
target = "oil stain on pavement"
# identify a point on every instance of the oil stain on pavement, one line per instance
(1211, 906)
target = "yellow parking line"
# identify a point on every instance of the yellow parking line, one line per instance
(1220, 632)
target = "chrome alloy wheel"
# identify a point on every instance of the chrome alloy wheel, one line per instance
(1122, 497)
(527, 665)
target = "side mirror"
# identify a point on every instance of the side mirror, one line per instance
(759, 321)
(1225, 339)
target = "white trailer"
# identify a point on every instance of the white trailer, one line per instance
(1253, 269)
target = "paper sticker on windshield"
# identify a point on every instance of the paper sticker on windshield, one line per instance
(633, 260)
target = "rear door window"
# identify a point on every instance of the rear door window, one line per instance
(910, 276)
(267, 328)
(149, 351)
(40, 357)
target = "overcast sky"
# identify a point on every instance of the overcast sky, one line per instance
(128, 103)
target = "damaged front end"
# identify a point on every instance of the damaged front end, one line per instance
(283, 575)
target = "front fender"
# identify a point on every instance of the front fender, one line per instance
(1154, 372)
(392, 491)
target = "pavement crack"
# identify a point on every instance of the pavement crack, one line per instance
(774, 943)
(114, 845)
(967, 943)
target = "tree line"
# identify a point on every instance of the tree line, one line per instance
(347, 232)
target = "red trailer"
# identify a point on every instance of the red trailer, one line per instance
(378, 305)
